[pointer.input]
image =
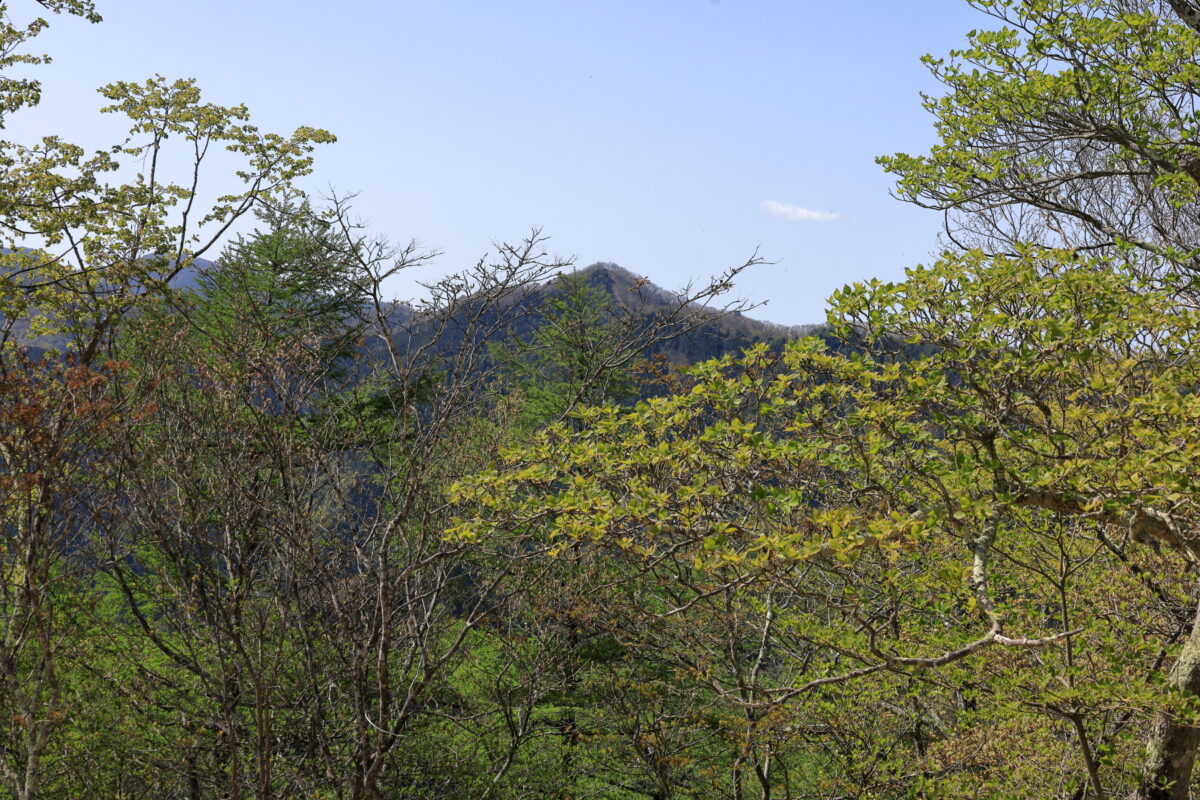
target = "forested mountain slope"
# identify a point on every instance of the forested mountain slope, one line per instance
(614, 285)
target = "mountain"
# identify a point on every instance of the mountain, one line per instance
(12, 269)
(729, 332)
(631, 296)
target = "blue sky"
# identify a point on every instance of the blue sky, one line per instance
(670, 136)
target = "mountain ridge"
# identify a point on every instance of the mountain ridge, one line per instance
(729, 330)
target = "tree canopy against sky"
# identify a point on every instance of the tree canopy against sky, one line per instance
(661, 128)
(1027, 395)
(953, 556)
(223, 570)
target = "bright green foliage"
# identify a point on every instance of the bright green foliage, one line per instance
(993, 493)
(881, 516)
(954, 557)
(104, 244)
(1071, 125)
(16, 93)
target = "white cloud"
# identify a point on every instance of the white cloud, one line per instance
(774, 208)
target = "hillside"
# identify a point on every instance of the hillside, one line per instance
(635, 298)
(635, 301)
(726, 333)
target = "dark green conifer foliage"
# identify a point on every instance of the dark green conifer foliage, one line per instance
(573, 358)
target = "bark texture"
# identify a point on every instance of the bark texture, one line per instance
(1187, 11)
(1171, 747)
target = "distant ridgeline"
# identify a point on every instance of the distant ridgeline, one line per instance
(631, 298)
(614, 285)
(14, 269)
(729, 333)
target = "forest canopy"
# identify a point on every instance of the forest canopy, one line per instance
(269, 533)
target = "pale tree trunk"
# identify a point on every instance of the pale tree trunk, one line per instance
(1188, 11)
(1171, 747)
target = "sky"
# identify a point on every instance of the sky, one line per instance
(673, 137)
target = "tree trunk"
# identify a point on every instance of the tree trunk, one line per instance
(1171, 746)
(1188, 12)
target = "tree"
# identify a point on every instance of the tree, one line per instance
(224, 508)
(234, 489)
(1028, 395)
(79, 254)
(57, 420)
(571, 358)
(283, 511)
(1074, 127)
(295, 280)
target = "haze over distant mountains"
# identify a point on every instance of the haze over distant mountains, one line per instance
(726, 333)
